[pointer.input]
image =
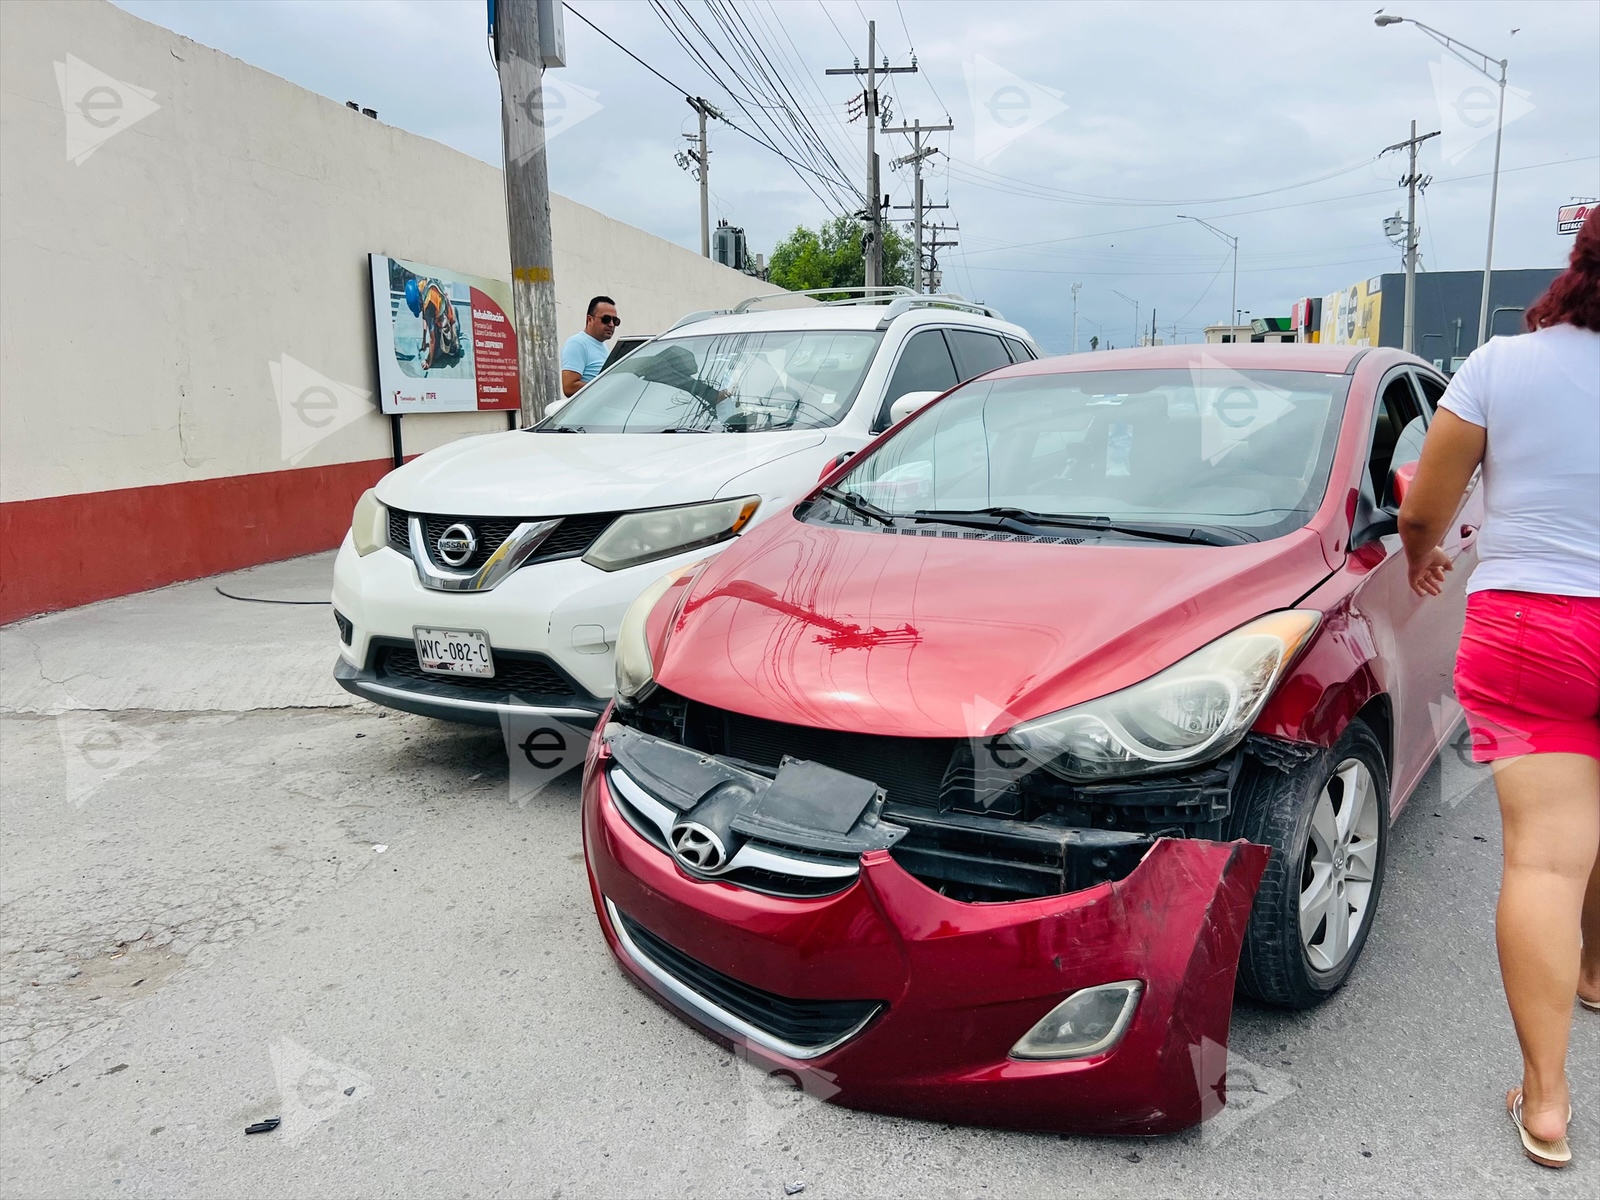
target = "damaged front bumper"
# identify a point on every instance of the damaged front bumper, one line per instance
(872, 990)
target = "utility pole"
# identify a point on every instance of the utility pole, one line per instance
(1152, 341)
(1076, 288)
(916, 129)
(700, 156)
(919, 207)
(935, 276)
(1411, 183)
(1136, 321)
(527, 180)
(873, 243)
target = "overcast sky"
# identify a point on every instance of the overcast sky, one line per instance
(1262, 118)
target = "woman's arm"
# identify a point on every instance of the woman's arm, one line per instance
(1452, 451)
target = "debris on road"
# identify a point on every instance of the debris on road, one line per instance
(266, 1126)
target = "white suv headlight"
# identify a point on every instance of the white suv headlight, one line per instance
(659, 532)
(634, 668)
(369, 525)
(1197, 709)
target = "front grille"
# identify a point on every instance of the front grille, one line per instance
(571, 538)
(910, 770)
(526, 676)
(806, 1023)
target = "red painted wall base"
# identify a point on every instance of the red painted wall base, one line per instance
(69, 550)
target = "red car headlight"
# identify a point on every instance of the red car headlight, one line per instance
(1198, 708)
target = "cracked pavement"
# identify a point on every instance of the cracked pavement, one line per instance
(229, 894)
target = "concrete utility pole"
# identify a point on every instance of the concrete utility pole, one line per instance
(919, 152)
(701, 157)
(872, 248)
(1076, 288)
(527, 180)
(1412, 181)
(935, 276)
(1136, 321)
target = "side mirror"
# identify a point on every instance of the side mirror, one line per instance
(908, 404)
(558, 404)
(1400, 481)
(833, 464)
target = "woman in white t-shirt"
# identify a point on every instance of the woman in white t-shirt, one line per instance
(1527, 410)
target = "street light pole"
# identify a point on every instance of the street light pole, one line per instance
(1135, 304)
(1482, 67)
(1076, 288)
(1233, 313)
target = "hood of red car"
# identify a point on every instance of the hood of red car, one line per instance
(923, 636)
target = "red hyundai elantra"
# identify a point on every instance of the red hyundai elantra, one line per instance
(966, 788)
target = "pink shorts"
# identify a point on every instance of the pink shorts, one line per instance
(1529, 674)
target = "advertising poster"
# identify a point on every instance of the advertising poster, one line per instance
(445, 340)
(1350, 317)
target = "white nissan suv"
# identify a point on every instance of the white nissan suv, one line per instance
(491, 574)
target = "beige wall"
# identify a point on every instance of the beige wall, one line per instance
(145, 290)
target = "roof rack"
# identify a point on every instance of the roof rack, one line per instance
(899, 301)
(851, 295)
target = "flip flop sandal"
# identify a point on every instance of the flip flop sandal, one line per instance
(1591, 1005)
(1556, 1154)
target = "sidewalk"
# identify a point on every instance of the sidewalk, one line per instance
(183, 648)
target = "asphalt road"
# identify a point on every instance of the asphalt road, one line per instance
(227, 895)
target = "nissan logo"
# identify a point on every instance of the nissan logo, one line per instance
(697, 847)
(456, 544)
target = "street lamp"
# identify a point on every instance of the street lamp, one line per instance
(1135, 304)
(1234, 311)
(1482, 67)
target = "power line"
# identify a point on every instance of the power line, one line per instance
(685, 92)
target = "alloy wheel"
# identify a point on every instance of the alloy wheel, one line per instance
(1336, 879)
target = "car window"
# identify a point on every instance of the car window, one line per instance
(727, 383)
(1432, 392)
(1019, 350)
(1242, 450)
(924, 366)
(1397, 428)
(976, 352)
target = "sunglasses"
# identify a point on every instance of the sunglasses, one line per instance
(611, 320)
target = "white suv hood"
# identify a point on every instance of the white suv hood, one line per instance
(525, 474)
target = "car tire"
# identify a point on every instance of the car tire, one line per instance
(1327, 824)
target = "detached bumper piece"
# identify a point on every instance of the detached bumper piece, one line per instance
(798, 1029)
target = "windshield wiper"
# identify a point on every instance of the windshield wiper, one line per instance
(857, 503)
(1022, 520)
(561, 429)
(683, 429)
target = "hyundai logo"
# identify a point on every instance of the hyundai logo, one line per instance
(456, 544)
(697, 847)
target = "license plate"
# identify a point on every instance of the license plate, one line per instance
(454, 652)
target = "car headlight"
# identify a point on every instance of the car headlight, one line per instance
(634, 668)
(369, 526)
(1198, 708)
(639, 537)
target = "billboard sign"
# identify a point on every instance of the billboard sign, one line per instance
(1570, 216)
(445, 340)
(1350, 317)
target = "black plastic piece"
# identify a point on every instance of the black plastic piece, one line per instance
(807, 1023)
(1276, 752)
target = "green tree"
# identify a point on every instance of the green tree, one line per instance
(831, 257)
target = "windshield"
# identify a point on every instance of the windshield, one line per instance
(1247, 451)
(725, 383)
